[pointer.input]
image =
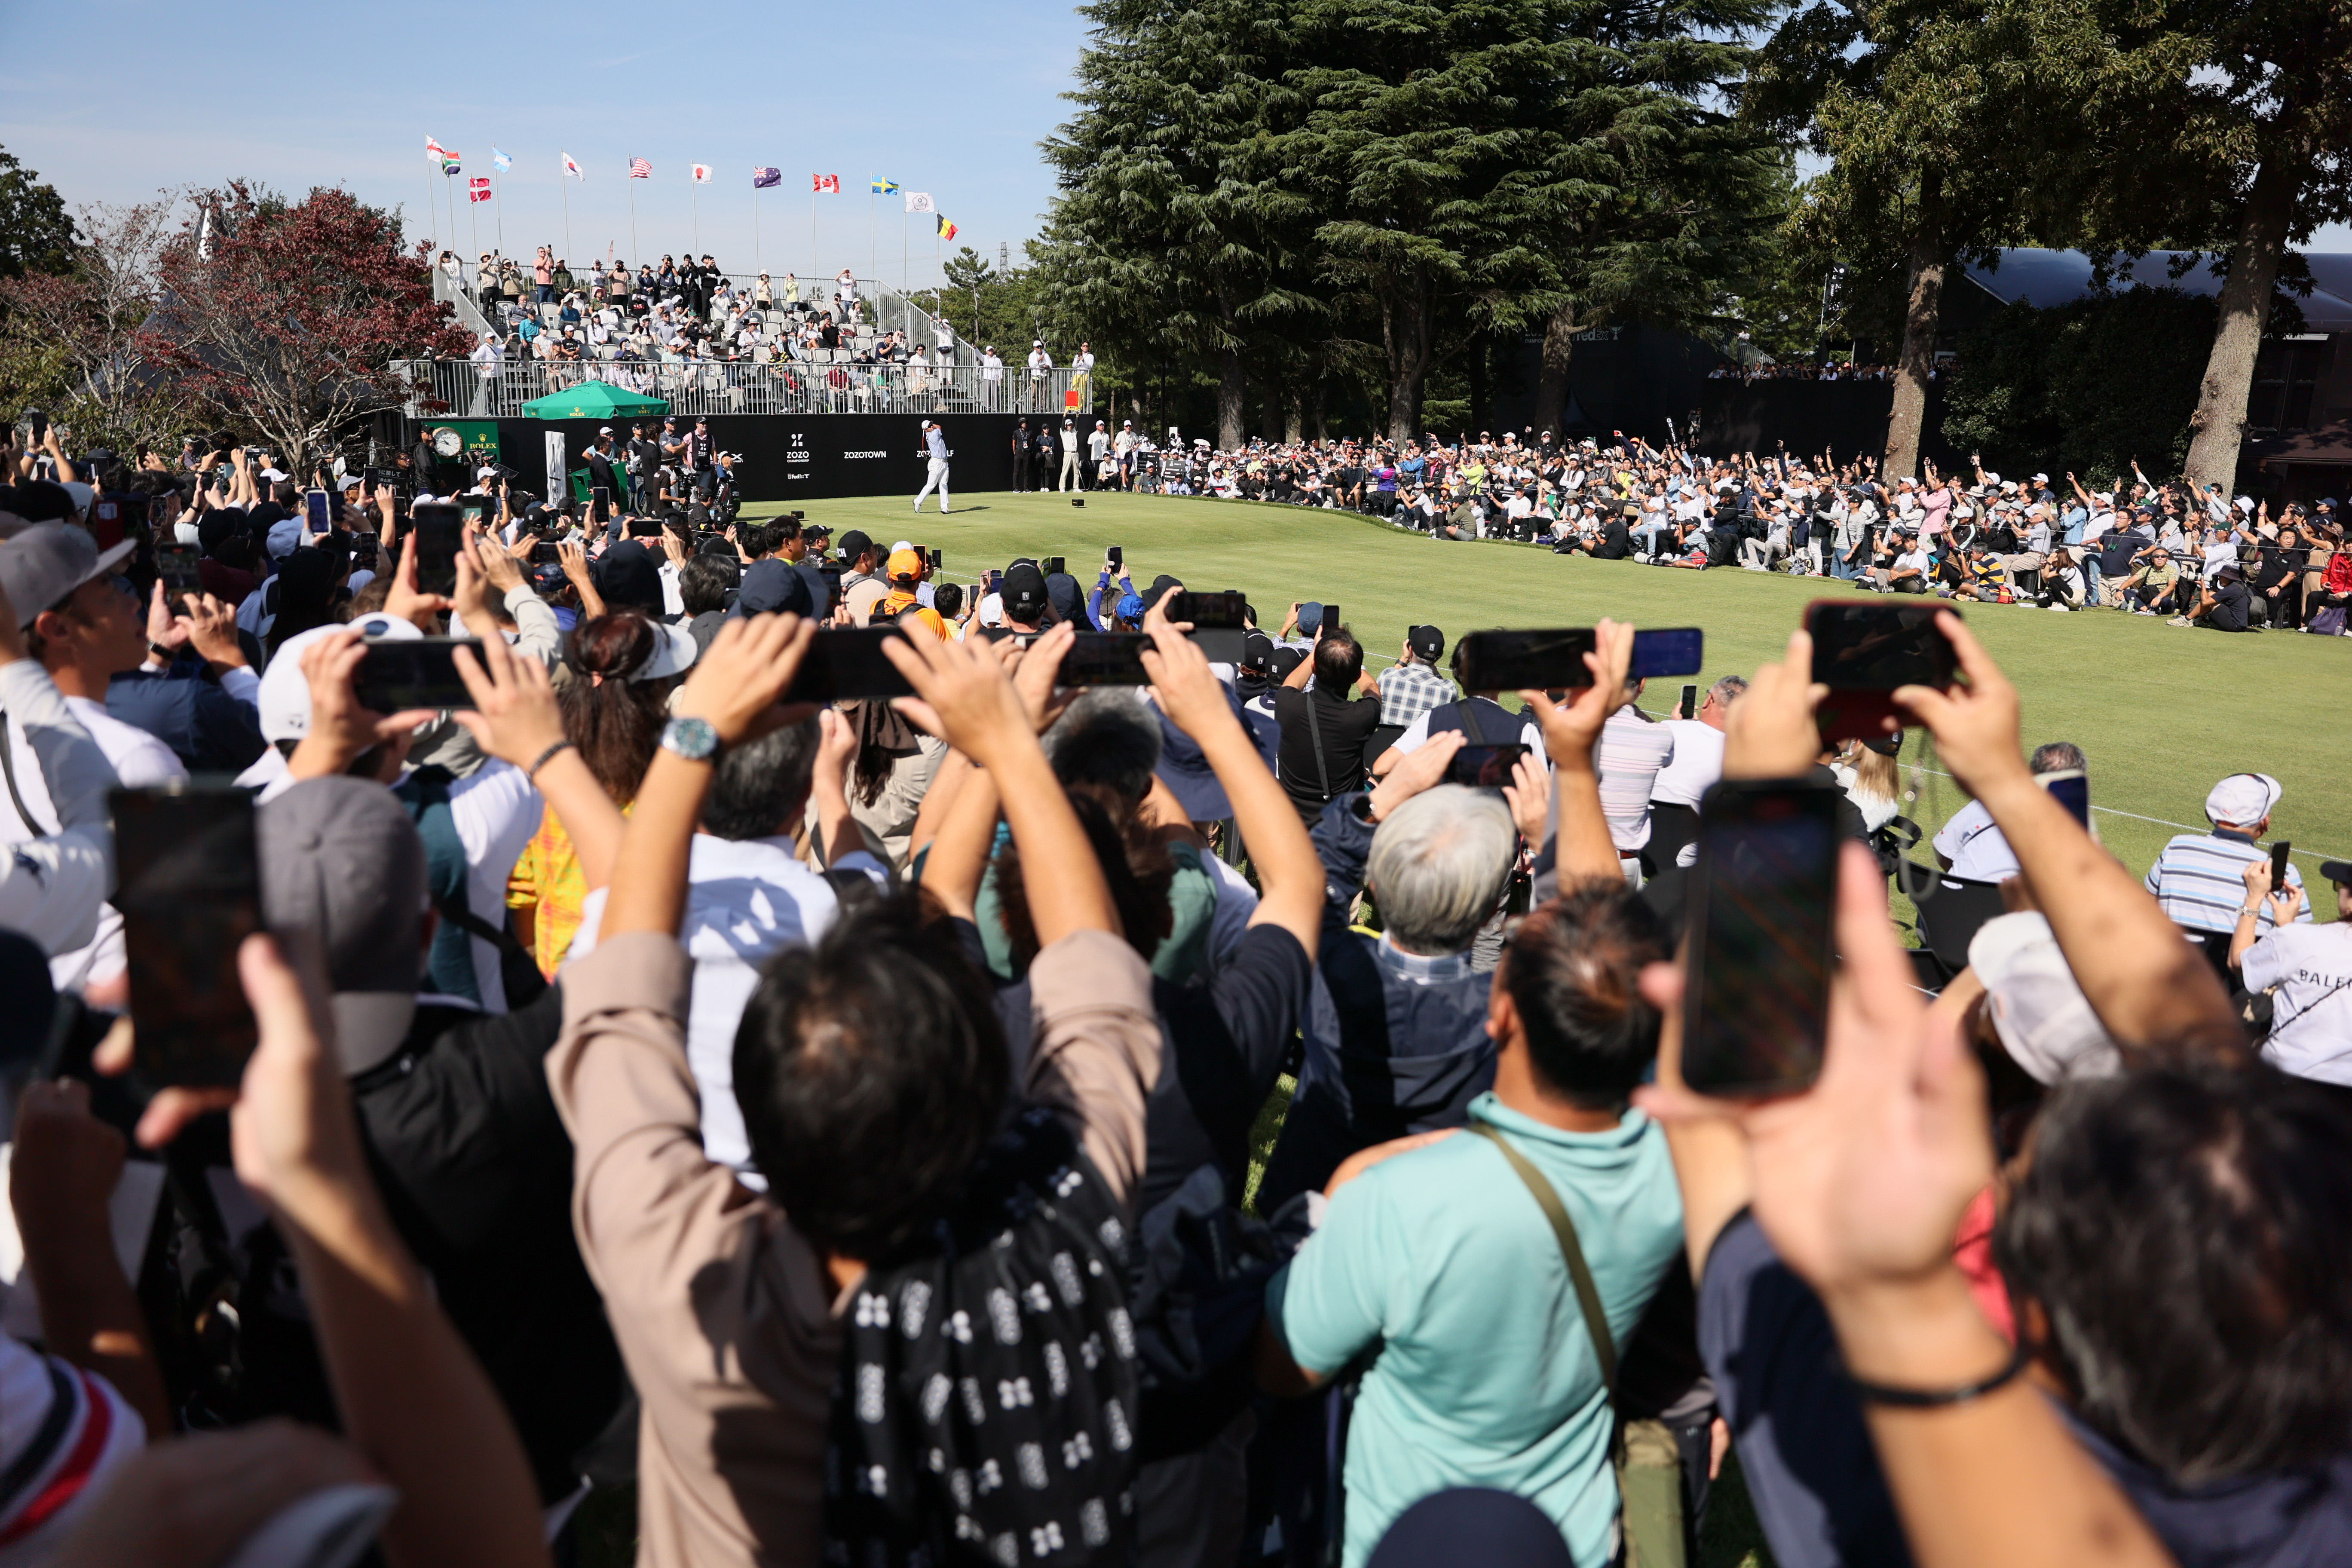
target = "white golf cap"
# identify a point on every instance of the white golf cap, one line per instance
(2244, 798)
(2045, 1021)
(48, 560)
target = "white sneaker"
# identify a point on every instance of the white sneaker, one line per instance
(2062, 609)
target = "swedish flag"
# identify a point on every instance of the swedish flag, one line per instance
(886, 187)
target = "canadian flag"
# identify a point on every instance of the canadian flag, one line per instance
(831, 183)
(702, 174)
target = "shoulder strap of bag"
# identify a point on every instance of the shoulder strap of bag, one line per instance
(15, 795)
(1472, 731)
(1315, 731)
(1563, 1230)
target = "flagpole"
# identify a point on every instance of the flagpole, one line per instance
(474, 224)
(633, 217)
(564, 181)
(906, 268)
(816, 267)
(451, 202)
(755, 228)
(430, 217)
(873, 231)
(694, 192)
(499, 215)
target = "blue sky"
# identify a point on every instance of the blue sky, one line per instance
(947, 99)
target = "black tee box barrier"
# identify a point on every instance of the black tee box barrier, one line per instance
(786, 458)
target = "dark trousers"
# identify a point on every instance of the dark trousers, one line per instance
(1020, 470)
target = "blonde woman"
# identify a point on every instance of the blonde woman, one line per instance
(1866, 770)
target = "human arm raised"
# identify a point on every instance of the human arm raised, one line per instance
(1290, 874)
(2150, 990)
(1571, 731)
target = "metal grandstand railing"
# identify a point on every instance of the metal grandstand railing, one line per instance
(459, 389)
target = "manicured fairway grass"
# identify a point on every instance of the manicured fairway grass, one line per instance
(2160, 711)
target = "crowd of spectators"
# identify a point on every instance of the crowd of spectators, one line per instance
(690, 314)
(2139, 545)
(833, 1126)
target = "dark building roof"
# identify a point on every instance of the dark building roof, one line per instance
(2047, 278)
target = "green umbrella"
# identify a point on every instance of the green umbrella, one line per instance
(593, 400)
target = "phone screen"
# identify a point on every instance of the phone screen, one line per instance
(2278, 864)
(1688, 707)
(1106, 658)
(1862, 652)
(475, 513)
(318, 514)
(1330, 621)
(845, 663)
(1674, 650)
(1118, 559)
(177, 565)
(1525, 660)
(2072, 790)
(439, 528)
(1877, 648)
(189, 889)
(547, 552)
(418, 672)
(1222, 612)
(938, 558)
(1756, 1006)
(1485, 767)
(601, 496)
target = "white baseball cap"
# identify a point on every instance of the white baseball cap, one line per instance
(2245, 798)
(284, 695)
(2045, 1021)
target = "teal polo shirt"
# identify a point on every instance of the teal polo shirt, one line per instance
(1441, 1262)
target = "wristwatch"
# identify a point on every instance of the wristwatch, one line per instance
(692, 738)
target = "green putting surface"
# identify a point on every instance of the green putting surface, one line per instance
(2160, 711)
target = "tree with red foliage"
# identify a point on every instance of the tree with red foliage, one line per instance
(290, 317)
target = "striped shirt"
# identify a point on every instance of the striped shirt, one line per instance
(1410, 691)
(62, 1430)
(2200, 881)
(1630, 753)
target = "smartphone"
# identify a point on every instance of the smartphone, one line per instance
(418, 672)
(1106, 658)
(189, 889)
(1330, 621)
(2278, 864)
(1687, 708)
(318, 513)
(601, 496)
(475, 513)
(1670, 650)
(2073, 790)
(176, 564)
(1222, 612)
(1051, 566)
(1485, 767)
(1862, 652)
(847, 662)
(439, 530)
(546, 552)
(1117, 560)
(1525, 660)
(1762, 897)
(937, 558)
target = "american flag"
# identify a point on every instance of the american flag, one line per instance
(825, 182)
(640, 169)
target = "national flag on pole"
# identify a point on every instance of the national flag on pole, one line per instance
(478, 189)
(640, 169)
(947, 229)
(764, 177)
(920, 202)
(434, 152)
(886, 187)
(571, 167)
(824, 183)
(702, 174)
(499, 161)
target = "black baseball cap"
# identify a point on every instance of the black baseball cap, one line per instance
(854, 543)
(1024, 592)
(2337, 871)
(1428, 642)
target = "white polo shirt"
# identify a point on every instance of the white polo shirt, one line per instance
(2311, 1020)
(1975, 846)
